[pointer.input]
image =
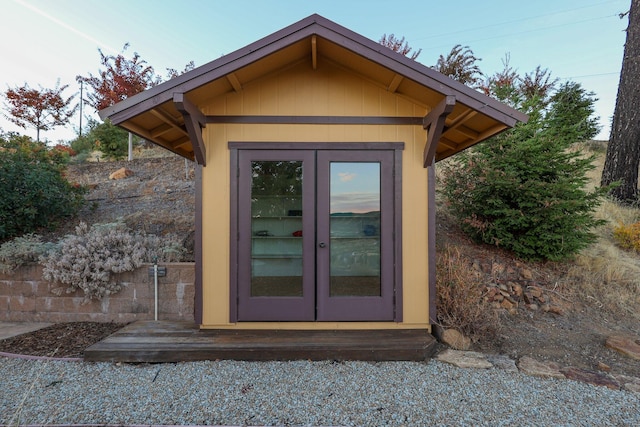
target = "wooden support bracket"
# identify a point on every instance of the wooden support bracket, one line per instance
(434, 124)
(194, 121)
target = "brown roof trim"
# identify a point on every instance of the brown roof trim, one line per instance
(312, 25)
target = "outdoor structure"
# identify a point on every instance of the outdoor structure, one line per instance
(315, 151)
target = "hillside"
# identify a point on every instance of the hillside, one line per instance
(159, 197)
(582, 302)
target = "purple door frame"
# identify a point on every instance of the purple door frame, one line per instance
(315, 303)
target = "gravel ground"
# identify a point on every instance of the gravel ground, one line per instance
(300, 393)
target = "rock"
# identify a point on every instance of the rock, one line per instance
(632, 387)
(455, 339)
(508, 305)
(503, 362)
(604, 367)
(556, 310)
(121, 173)
(534, 291)
(591, 377)
(534, 367)
(464, 359)
(517, 290)
(497, 269)
(526, 274)
(533, 307)
(629, 383)
(625, 344)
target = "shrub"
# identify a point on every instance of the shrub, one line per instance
(22, 250)
(64, 150)
(459, 296)
(628, 236)
(524, 190)
(83, 144)
(34, 192)
(88, 259)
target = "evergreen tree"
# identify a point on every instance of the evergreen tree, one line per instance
(524, 190)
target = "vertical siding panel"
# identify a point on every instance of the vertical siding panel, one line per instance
(415, 233)
(269, 99)
(215, 204)
(321, 99)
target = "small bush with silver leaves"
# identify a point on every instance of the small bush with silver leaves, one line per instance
(89, 259)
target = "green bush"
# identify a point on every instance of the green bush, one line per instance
(524, 190)
(33, 191)
(111, 140)
(83, 144)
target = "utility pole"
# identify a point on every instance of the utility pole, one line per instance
(81, 84)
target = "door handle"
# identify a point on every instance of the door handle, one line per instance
(322, 244)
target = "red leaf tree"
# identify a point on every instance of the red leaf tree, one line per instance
(119, 78)
(42, 109)
(399, 45)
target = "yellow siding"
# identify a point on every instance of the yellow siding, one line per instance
(327, 91)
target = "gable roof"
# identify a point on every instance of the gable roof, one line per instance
(170, 114)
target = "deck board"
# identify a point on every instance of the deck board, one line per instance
(154, 342)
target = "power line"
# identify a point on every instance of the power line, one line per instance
(512, 21)
(528, 31)
(589, 75)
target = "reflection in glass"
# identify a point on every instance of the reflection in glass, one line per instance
(355, 229)
(276, 228)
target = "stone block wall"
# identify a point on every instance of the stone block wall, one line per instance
(26, 297)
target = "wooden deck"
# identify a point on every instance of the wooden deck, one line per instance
(162, 341)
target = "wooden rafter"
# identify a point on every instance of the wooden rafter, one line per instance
(314, 52)
(138, 130)
(434, 124)
(194, 121)
(395, 82)
(160, 130)
(461, 118)
(447, 143)
(168, 119)
(234, 82)
(464, 130)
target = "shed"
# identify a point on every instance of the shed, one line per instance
(315, 150)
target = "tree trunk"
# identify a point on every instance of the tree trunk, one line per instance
(623, 153)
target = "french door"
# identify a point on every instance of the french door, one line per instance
(315, 235)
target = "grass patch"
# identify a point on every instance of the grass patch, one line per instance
(459, 290)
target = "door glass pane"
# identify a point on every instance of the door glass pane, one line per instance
(355, 228)
(276, 228)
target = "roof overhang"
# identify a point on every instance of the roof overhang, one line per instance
(170, 114)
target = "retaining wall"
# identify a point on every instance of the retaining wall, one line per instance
(26, 297)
